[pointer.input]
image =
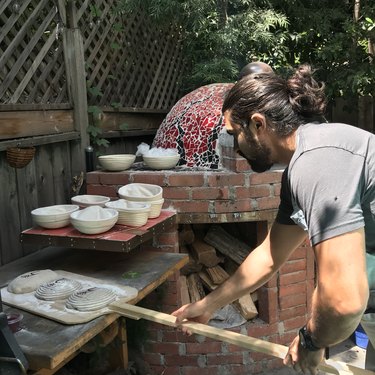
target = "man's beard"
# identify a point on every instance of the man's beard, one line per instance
(261, 162)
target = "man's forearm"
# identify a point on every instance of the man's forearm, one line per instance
(328, 326)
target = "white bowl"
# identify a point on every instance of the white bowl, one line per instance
(52, 217)
(133, 214)
(88, 200)
(94, 219)
(116, 162)
(140, 192)
(161, 161)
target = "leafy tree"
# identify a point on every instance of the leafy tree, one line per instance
(220, 36)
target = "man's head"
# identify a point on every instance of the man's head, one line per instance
(262, 109)
(255, 67)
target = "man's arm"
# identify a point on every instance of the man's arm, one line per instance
(339, 299)
(256, 269)
(341, 294)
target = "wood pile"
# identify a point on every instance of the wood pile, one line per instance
(214, 255)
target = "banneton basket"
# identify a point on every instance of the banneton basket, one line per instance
(133, 214)
(19, 157)
(156, 207)
(139, 192)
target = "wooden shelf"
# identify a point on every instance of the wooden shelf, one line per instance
(120, 238)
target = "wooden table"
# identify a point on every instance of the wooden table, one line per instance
(49, 345)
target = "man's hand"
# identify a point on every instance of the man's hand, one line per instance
(194, 312)
(302, 359)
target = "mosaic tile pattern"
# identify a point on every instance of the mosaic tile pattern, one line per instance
(193, 126)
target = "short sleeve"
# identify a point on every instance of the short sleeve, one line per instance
(286, 207)
(327, 184)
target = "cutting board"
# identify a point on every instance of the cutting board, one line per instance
(57, 311)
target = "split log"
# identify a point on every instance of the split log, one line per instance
(186, 235)
(245, 304)
(192, 266)
(217, 274)
(205, 253)
(195, 287)
(227, 244)
(185, 297)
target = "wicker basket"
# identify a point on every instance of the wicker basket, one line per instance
(19, 157)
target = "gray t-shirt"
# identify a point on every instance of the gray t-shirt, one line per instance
(329, 185)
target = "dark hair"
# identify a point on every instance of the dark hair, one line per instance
(286, 103)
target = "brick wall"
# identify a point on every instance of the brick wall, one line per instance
(219, 197)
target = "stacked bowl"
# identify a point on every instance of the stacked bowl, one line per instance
(133, 214)
(88, 200)
(144, 193)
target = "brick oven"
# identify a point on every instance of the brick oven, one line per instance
(232, 194)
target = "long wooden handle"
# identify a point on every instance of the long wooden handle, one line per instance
(251, 343)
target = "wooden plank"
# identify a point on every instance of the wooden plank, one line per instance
(61, 173)
(248, 342)
(112, 121)
(27, 193)
(9, 217)
(38, 141)
(76, 78)
(34, 123)
(44, 173)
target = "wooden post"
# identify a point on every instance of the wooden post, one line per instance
(75, 74)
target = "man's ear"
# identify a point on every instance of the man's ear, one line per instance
(258, 122)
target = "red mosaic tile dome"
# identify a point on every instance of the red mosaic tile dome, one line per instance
(193, 126)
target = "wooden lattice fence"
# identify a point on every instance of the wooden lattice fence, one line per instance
(129, 63)
(57, 58)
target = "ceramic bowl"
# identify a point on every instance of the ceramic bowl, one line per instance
(130, 213)
(138, 192)
(90, 200)
(161, 161)
(52, 217)
(94, 219)
(116, 162)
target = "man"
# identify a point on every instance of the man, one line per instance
(194, 123)
(328, 190)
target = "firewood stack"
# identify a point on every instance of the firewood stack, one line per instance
(213, 256)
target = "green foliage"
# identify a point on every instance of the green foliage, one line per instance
(94, 130)
(221, 36)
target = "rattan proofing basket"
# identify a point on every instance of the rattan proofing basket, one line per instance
(19, 157)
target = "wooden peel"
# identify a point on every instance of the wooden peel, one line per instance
(251, 343)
